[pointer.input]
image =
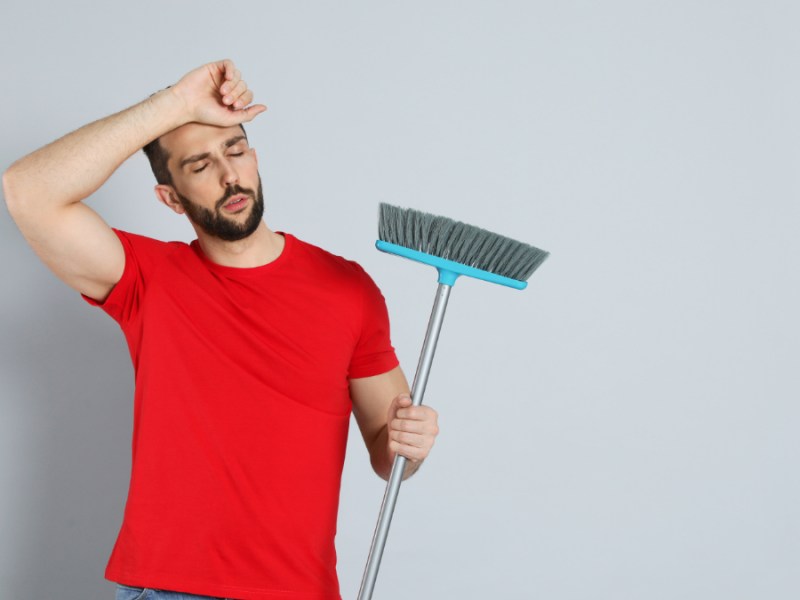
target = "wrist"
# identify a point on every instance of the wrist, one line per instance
(171, 109)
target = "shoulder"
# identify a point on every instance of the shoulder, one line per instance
(147, 254)
(144, 244)
(144, 240)
(328, 262)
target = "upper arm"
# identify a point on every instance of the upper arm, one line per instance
(75, 243)
(372, 397)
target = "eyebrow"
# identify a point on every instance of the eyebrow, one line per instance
(197, 157)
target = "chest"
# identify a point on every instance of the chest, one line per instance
(289, 333)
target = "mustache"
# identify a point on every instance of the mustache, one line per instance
(233, 191)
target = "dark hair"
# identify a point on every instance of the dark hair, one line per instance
(158, 158)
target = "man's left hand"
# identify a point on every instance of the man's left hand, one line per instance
(411, 429)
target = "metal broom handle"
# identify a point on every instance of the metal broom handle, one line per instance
(396, 477)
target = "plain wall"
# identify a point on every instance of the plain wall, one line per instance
(625, 428)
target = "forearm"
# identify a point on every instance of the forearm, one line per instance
(382, 459)
(75, 166)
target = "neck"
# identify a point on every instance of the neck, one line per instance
(259, 248)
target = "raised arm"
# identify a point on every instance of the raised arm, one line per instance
(44, 190)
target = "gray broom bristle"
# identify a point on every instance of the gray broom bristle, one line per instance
(459, 242)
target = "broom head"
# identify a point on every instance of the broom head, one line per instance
(456, 248)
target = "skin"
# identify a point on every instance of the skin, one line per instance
(198, 119)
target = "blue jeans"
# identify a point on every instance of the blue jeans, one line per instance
(125, 592)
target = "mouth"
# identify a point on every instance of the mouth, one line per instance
(236, 203)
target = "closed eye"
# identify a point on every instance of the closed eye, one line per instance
(236, 154)
(200, 169)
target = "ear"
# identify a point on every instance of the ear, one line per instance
(167, 195)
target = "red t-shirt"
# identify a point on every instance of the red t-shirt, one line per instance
(241, 413)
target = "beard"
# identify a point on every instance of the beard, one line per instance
(215, 223)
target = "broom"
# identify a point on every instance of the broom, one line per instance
(455, 249)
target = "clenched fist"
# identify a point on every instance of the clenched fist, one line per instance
(411, 429)
(216, 94)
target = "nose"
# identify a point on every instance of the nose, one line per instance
(229, 175)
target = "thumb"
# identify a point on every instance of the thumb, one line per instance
(400, 401)
(251, 112)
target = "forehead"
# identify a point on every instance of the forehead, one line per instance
(194, 138)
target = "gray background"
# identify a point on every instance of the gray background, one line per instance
(624, 428)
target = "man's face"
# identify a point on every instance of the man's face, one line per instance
(215, 176)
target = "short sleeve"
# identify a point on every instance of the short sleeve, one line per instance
(122, 303)
(374, 353)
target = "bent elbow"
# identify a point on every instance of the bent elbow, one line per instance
(17, 192)
(9, 188)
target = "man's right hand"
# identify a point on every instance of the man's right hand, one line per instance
(216, 94)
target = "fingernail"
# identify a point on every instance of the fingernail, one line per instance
(227, 99)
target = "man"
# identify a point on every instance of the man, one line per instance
(250, 349)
